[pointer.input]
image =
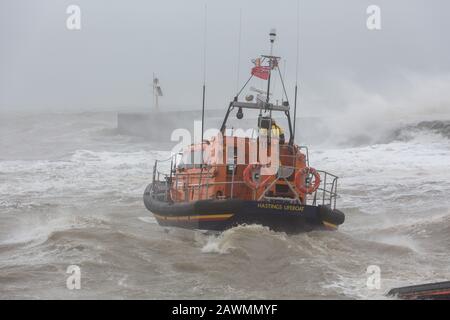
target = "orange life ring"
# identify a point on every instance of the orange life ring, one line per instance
(300, 180)
(248, 176)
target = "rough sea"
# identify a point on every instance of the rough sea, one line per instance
(71, 194)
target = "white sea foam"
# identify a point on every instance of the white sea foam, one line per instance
(86, 207)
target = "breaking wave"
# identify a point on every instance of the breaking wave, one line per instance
(83, 205)
(409, 132)
(424, 131)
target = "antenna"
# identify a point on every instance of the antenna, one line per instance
(239, 50)
(204, 81)
(284, 77)
(296, 68)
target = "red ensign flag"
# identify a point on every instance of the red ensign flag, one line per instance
(261, 72)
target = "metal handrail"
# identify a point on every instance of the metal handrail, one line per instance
(327, 191)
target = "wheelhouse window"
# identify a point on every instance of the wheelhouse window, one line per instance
(192, 159)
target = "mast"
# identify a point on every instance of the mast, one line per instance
(272, 37)
(263, 72)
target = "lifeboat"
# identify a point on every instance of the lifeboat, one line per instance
(231, 180)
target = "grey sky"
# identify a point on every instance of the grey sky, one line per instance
(109, 63)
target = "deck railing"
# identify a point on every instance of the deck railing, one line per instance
(326, 194)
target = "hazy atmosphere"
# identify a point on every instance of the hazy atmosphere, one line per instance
(108, 64)
(81, 134)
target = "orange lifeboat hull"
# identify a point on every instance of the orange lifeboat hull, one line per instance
(219, 215)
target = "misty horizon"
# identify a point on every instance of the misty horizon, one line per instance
(108, 64)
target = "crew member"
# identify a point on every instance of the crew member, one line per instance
(277, 132)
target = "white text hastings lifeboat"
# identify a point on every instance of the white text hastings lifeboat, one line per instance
(231, 180)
